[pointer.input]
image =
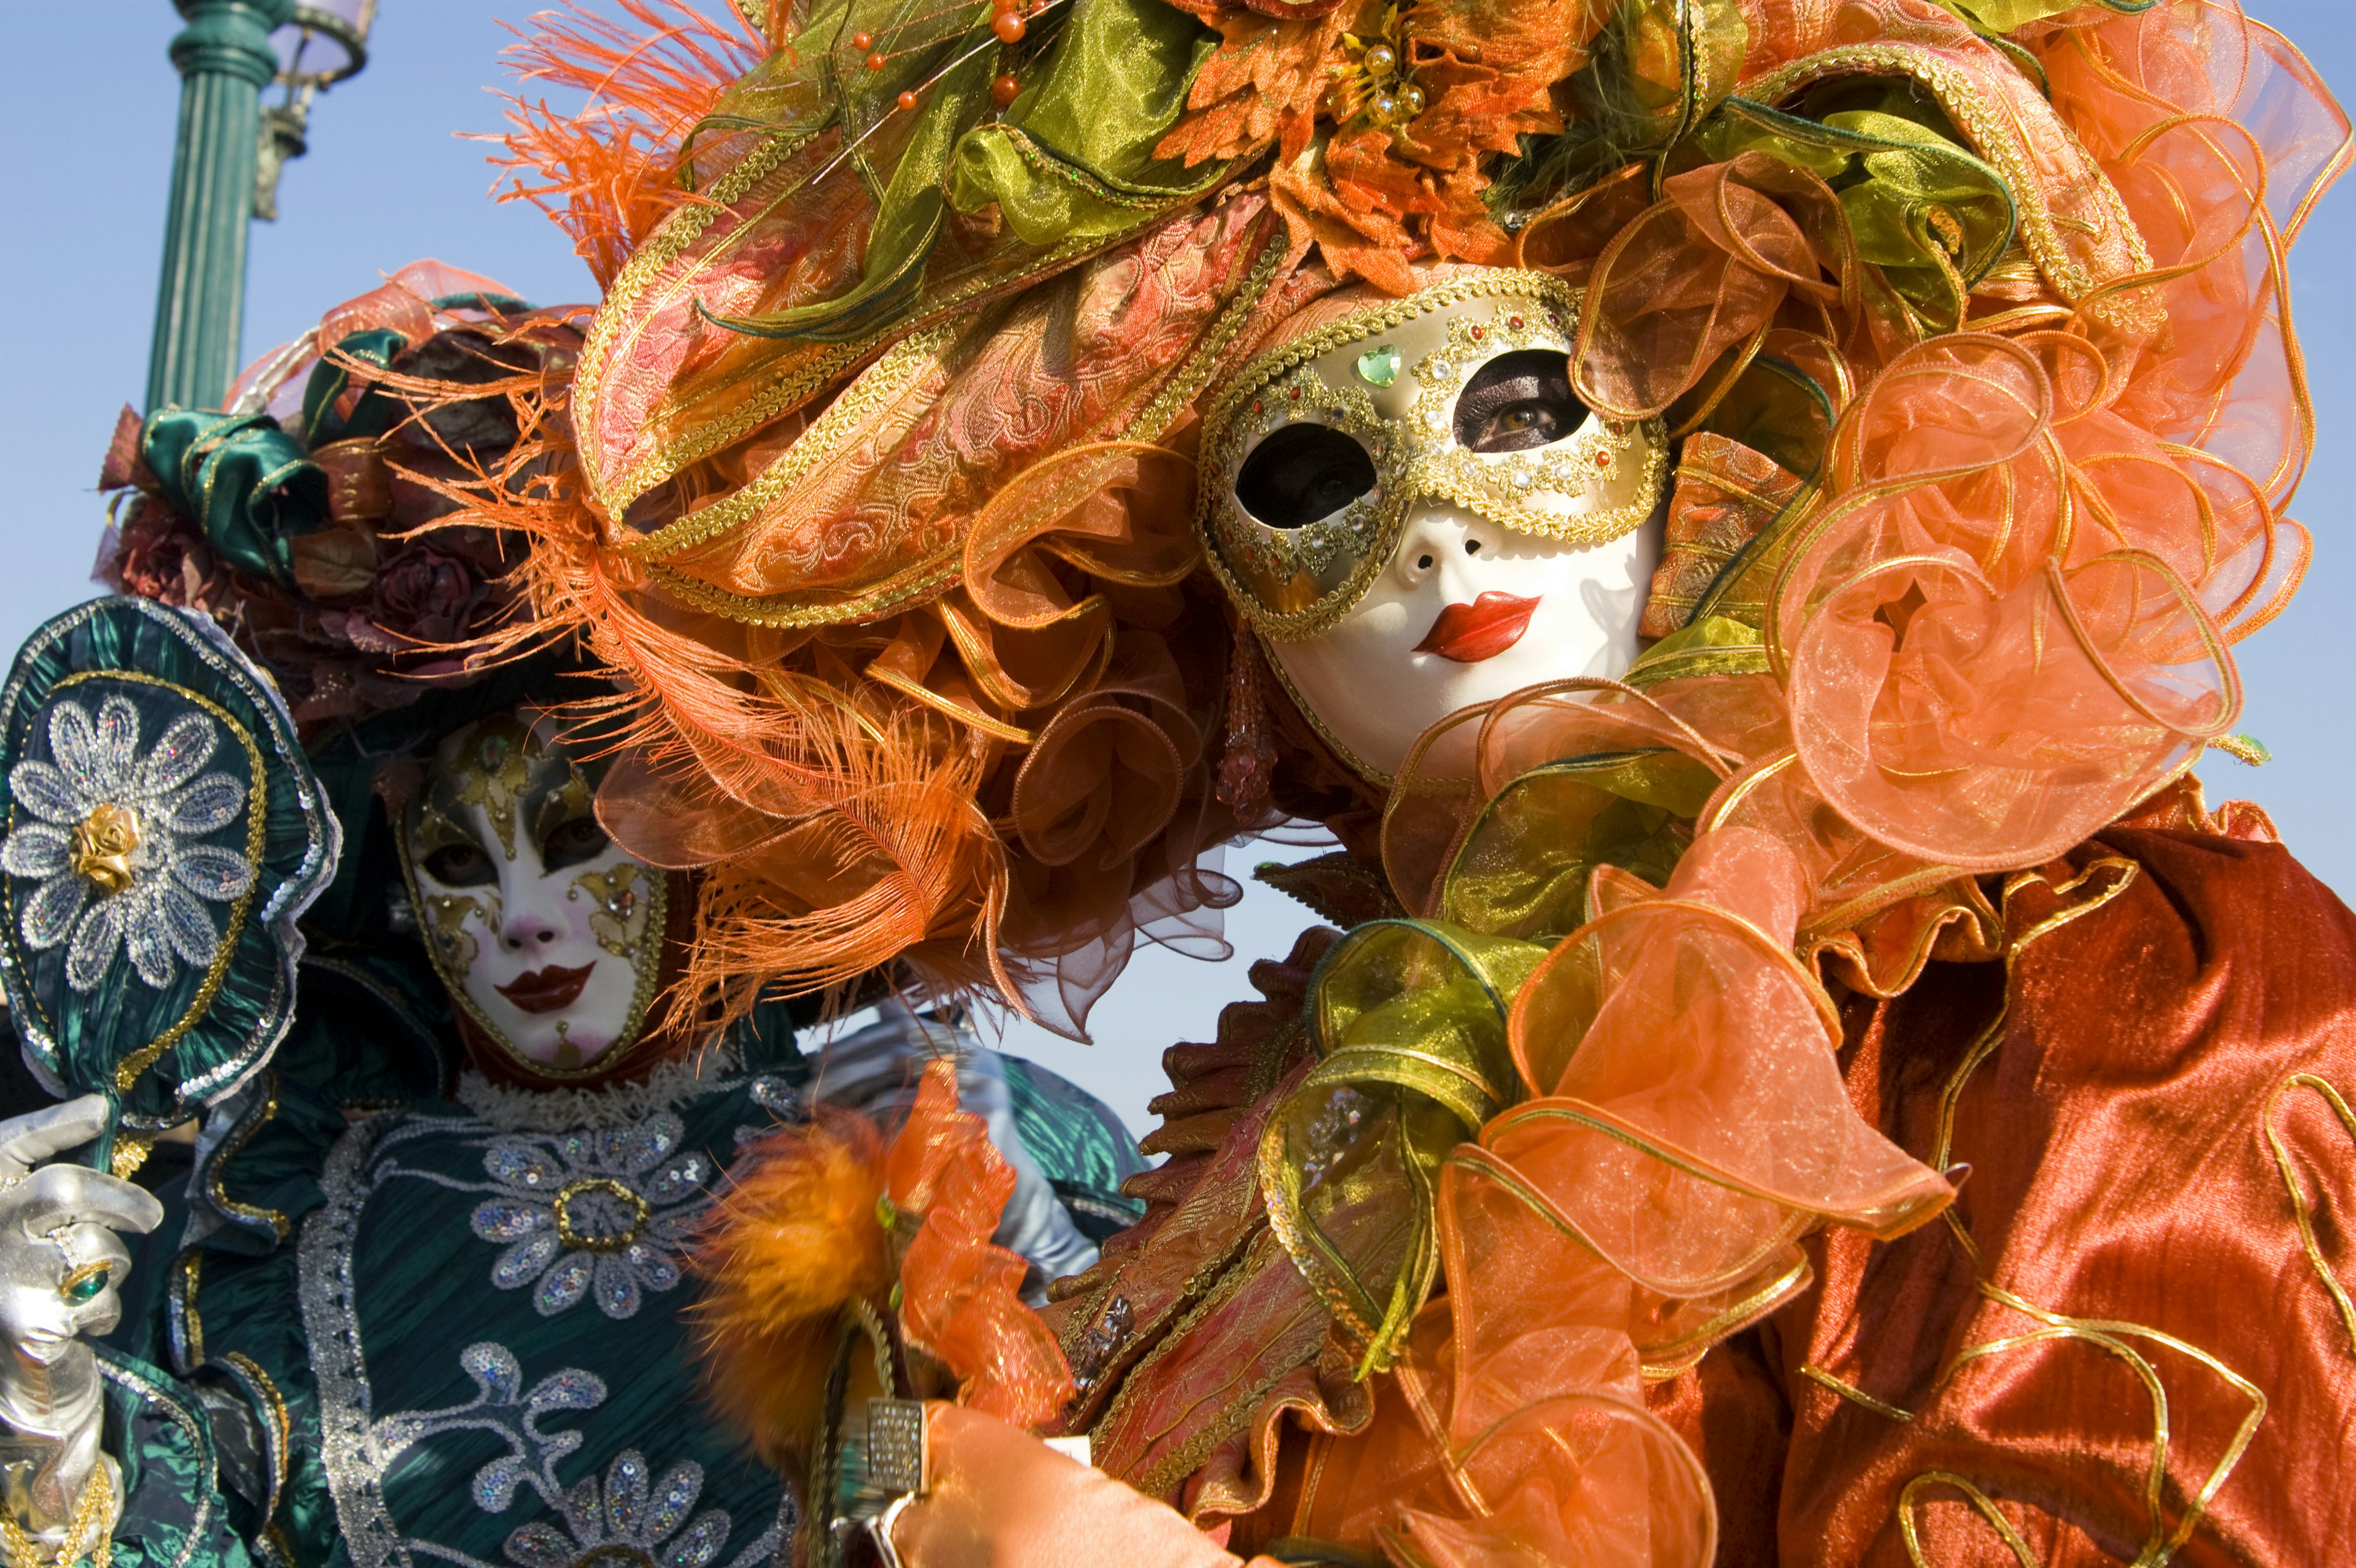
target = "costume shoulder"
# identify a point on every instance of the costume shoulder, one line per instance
(2147, 1267)
(1080, 1144)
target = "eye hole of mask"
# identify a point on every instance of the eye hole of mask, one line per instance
(1304, 472)
(573, 843)
(1517, 401)
(459, 866)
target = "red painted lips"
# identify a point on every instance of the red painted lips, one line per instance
(1481, 630)
(547, 990)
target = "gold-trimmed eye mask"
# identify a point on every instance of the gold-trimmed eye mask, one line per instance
(1316, 453)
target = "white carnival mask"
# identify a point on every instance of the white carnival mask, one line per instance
(545, 932)
(1415, 514)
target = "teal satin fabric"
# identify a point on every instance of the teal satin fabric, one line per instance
(251, 485)
(173, 1514)
(424, 1293)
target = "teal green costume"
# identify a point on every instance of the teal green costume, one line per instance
(400, 1314)
(456, 1330)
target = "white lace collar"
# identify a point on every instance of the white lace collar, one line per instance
(515, 1110)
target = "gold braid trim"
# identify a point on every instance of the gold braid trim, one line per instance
(2101, 881)
(1965, 98)
(281, 1451)
(2302, 1212)
(97, 1499)
(1854, 1394)
(887, 378)
(239, 1136)
(876, 386)
(679, 231)
(2160, 1543)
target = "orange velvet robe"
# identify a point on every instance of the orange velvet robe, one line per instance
(2133, 1338)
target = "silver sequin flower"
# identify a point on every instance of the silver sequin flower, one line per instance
(110, 839)
(631, 1519)
(601, 1213)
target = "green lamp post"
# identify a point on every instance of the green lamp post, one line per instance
(225, 169)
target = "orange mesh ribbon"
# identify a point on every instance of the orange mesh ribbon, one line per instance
(960, 1296)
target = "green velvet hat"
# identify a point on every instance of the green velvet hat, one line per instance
(164, 832)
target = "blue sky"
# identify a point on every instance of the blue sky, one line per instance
(89, 98)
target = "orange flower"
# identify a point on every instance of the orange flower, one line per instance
(1384, 118)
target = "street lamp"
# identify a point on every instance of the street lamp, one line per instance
(319, 46)
(229, 52)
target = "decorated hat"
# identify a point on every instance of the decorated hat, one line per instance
(164, 835)
(887, 431)
(316, 518)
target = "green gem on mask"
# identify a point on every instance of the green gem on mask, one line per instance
(87, 1287)
(1379, 367)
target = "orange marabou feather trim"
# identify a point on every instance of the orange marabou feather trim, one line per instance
(800, 1237)
(791, 1245)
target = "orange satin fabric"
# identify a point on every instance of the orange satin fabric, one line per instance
(2121, 1176)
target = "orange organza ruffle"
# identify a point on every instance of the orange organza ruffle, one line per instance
(1682, 1124)
(2055, 498)
(961, 1297)
(1992, 609)
(1685, 1124)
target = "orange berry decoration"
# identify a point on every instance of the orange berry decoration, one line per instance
(875, 63)
(863, 41)
(1008, 28)
(1004, 91)
(907, 101)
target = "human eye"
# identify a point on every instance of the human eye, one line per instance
(1517, 401)
(459, 866)
(1302, 473)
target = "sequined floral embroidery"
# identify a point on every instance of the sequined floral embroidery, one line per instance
(625, 1519)
(112, 843)
(628, 1521)
(600, 1212)
(503, 1407)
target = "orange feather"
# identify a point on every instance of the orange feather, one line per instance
(607, 173)
(791, 1245)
